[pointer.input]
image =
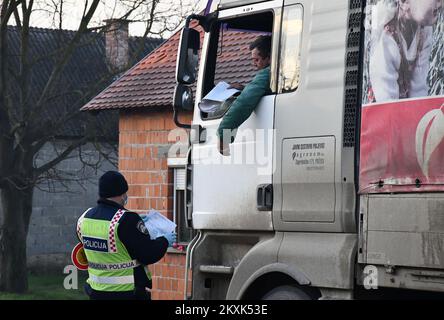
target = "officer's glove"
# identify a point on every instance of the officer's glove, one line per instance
(171, 237)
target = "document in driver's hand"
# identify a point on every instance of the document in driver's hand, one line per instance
(221, 92)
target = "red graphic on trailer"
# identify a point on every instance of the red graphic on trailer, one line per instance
(402, 146)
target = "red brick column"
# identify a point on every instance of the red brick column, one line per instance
(143, 146)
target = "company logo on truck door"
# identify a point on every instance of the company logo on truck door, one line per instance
(311, 155)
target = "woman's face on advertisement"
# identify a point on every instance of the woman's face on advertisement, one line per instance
(424, 12)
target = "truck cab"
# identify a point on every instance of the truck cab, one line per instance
(291, 212)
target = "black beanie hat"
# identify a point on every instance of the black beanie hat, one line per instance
(112, 184)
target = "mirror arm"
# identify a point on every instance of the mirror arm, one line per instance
(204, 21)
(176, 120)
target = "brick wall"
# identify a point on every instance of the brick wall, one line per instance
(143, 154)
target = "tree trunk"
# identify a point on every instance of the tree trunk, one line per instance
(17, 209)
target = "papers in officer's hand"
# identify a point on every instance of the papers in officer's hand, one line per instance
(220, 92)
(158, 225)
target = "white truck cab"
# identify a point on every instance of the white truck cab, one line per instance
(285, 215)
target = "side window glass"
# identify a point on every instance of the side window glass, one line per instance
(229, 59)
(289, 58)
(233, 65)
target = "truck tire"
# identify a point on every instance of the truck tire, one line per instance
(286, 293)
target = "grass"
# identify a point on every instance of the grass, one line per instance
(49, 287)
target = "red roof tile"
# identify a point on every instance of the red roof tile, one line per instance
(150, 83)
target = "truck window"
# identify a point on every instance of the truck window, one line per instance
(229, 57)
(290, 48)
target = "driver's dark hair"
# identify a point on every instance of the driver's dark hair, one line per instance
(263, 45)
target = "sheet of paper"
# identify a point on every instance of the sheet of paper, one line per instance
(157, 224)
(220, 92)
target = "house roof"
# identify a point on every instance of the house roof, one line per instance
(85, 74)
(151, 82)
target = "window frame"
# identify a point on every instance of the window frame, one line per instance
(279, 86)
(213, 49)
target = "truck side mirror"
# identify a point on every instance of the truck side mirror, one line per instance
(183, 98)
(188, 58)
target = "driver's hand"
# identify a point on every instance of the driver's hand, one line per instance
(237, 86)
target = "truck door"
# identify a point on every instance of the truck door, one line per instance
(225, 188)
(309, 115)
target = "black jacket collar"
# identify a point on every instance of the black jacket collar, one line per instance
(110, 203)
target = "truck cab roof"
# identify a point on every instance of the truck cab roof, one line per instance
(224, 4)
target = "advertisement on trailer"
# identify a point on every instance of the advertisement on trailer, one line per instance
(402, 123)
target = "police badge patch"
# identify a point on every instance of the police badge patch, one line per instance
(142, 228)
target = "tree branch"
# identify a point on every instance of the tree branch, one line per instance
(7, 9)
(62, 156)
(18, 21)
(88, 13)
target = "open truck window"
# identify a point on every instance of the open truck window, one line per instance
(229, 57)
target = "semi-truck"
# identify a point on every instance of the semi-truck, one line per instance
(334, 187)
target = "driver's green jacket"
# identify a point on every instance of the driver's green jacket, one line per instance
(246, 102)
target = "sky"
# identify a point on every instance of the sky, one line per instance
(73, 12)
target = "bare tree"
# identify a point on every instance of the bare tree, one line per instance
(25, 127)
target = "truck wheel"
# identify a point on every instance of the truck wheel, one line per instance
(286, 293)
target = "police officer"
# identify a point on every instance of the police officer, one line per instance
(117, 245)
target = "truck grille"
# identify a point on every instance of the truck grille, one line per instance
(352, 72)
